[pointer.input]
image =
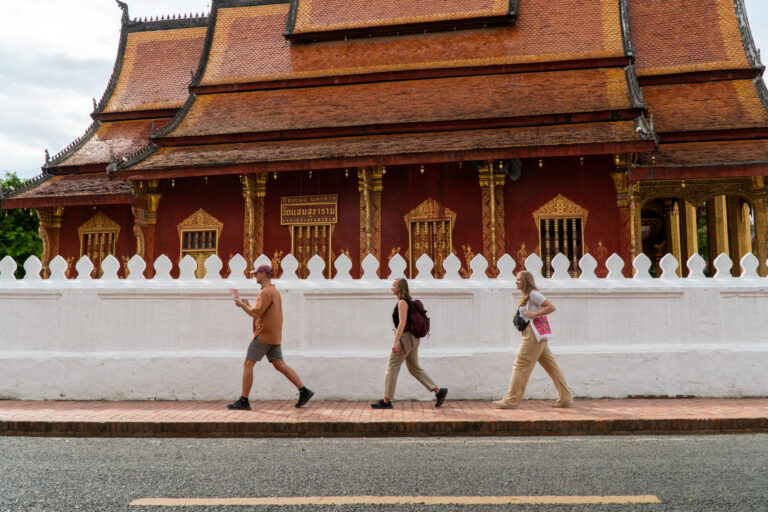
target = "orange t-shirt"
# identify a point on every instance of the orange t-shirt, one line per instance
(268, 324)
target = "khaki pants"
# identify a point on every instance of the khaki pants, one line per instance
(408, 351)
(528, 354)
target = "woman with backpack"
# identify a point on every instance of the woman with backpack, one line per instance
(533, 304)
(405, 347)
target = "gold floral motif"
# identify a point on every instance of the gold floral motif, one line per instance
(393, 252)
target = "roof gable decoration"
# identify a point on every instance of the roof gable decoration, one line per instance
(753, 54)
(324, 20)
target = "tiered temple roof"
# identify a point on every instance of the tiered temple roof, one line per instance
(289, 84)
(560, 78)
(148, 86)
(701, 76)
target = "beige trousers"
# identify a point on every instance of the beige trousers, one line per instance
(408, 351)
(528, 354)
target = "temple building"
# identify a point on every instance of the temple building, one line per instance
(469, 127)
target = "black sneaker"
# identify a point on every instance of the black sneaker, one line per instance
(304, 397)
(241, 404)
(381, 404)
(441, 396)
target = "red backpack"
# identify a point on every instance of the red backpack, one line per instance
(418, 321)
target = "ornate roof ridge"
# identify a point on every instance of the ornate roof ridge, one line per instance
(626, 30)
(118, 66)
(762, 92)
(634, 89)
(176, 120)
(753, 54)
(26, 185)
(136, 156)
(71, 147)
(170, 22)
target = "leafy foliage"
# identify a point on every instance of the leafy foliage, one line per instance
(18, 229)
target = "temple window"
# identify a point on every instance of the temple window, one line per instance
(199, 236)
(561, 230)
(98, 239)
(308, 240)
(430, 232)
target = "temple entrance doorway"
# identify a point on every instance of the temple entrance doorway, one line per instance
(720, 224)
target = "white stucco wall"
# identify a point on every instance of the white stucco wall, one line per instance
(164, 338)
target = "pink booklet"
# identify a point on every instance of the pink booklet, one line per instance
(541, 328)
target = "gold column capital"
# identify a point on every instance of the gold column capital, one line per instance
(51, 217)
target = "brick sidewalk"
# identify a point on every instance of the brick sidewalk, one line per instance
(348, 419)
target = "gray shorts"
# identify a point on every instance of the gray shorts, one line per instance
(257, 350)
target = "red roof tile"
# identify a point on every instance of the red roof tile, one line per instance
(249, 46)
(156, 69)
(388, 145)
(122, 137)
(680, 36)
(705, 153)
(317, 16)
(74, 185)
(706, 106)
(434, 100)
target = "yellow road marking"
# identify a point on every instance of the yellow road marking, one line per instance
(396, 500)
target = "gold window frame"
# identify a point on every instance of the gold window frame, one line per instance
(428, 211)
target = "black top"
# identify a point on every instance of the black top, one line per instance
(396, 314)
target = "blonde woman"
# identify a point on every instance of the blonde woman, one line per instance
(405, 347)
(533, 304)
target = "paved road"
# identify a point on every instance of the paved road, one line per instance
(699, 473)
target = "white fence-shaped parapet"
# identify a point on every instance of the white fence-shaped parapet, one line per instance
(561, 266)
(184, 338)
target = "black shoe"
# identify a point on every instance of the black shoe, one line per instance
(241, 404)
(381, 404)
(441, 396)
(304, 397)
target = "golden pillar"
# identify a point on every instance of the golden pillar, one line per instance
(370, 184)
(147, 199)
(254, 196)
(492, 205)
(760, 208)
(689, 238)
(50, 234)
(672, 224)
(739, 238)
(629, 219)
(717, 227)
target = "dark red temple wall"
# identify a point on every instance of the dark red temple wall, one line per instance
(455, 187)
(76, 216)
(589, 185)
(346, 233)
(220, 196)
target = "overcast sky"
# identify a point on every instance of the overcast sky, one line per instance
(55, 56)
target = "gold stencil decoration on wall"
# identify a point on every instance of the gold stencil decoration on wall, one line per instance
(199, 236)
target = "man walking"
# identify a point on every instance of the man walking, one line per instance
(267, 315)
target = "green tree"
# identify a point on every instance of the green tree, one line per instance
(18, 228)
